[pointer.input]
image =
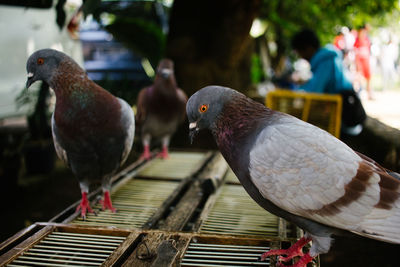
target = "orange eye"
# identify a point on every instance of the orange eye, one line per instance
(203, 108)
(40, 61)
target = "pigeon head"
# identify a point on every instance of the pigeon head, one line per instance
(42, 64)
(165, 68)
(204, 107)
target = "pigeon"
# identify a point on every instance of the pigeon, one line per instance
(160, 109)
(299, 172)
(92, 129)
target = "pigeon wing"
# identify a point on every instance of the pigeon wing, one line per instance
(306, 171)
(61, 153)
(128, 122)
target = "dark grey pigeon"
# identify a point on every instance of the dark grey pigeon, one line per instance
(92, 129)
(160, 109)
(299, 172)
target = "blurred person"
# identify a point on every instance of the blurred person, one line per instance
(362, 47)
(340, 42)
(328, 76)
(388, 58)
(346, 46)
(326, 64)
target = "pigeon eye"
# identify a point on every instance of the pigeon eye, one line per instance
(40, 61)
(203, 108)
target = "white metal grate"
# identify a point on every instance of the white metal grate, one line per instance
(136, 201)
(69, 249)
(179, 165)
(202, 254)
(235, 213)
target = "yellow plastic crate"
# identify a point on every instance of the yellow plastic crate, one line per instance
(322, 110)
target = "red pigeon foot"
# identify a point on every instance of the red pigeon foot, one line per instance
(301, 263)
(293, 251)
(164, 153)
(106, 202)
(84, 206)
(146, 153)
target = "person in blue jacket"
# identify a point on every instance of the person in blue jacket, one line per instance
(328, 76)
(326, 64)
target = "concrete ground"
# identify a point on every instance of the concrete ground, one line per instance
(385, 107)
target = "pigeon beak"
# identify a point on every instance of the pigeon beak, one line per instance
(30, 80)
(193, 131)
(165, 73)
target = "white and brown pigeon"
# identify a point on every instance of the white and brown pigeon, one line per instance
(160, 109)
(299, 172)
(92, 130)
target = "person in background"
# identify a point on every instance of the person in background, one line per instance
(362, 48)
(328, 76)
(340, 42)
(326, 64)
(388, 58)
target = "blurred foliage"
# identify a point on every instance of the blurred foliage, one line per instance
(142, 36)
(124, 88)
(256, 71)
(325, 17)
(139, 25)
(142, 24)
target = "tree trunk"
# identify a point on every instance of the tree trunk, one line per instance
(209, 42)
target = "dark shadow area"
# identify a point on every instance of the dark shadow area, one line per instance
(37, 198)
(360, 251)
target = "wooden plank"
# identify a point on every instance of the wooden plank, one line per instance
(183, 211)
(166, 254)
(206, 210)
(175, 196)
(118, 256)
(214, 173)
(25, 245)
(159, 249)
(282, 228)
(182, 243)
(146, 250)
(210, 177)
(164, 209)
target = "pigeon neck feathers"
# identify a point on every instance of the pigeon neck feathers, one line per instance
(240, 119)
(80, 101)
(163, 86)
(171, 81)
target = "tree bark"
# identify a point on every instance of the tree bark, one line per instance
(209, 42)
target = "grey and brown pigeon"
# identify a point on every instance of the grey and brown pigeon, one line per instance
(160, 109)
(92, 129)
(299, 172)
